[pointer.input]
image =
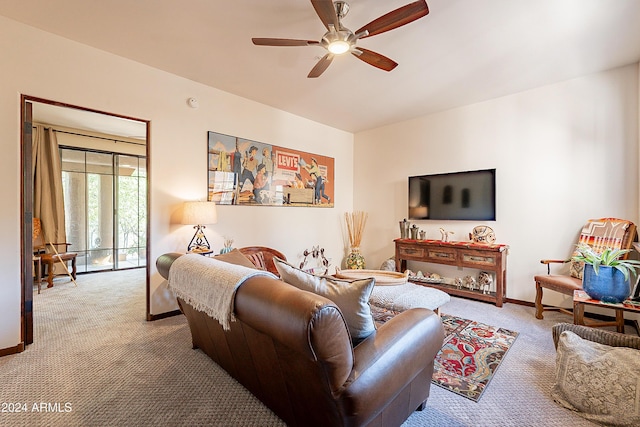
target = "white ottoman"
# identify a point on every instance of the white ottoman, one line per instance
(408, 295)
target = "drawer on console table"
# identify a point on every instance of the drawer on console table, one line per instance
(411, 252)
(478, 259)
(441, 255)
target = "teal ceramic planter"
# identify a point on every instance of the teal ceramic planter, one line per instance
(609, 285)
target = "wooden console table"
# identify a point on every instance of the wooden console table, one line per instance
(460, 254)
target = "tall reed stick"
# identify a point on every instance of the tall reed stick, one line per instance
(355, 226)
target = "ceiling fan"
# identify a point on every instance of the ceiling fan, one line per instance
(339, 39)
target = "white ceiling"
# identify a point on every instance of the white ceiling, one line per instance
(463, 52)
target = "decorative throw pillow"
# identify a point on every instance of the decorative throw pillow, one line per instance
(351, 297)
(389, 265)
(257, 259)
(235, 257)
(576, 268)
(600, 382)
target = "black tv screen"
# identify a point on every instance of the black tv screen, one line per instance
(467, 195)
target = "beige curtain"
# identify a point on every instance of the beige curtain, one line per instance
(48, 200)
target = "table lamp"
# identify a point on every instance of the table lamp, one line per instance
(199, 213)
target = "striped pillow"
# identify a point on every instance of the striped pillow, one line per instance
(258, 260)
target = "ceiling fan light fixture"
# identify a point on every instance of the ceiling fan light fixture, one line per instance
(339, 40)
(338, 47)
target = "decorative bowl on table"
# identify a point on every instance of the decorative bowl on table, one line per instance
(383, 277)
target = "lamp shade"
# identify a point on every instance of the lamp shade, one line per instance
(199, 213)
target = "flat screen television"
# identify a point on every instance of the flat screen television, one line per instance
(469, 195)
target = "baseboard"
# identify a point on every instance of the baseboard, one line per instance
(152, 317)
(12, 350)
(519, 302)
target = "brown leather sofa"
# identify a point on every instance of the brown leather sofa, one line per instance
(292, 350)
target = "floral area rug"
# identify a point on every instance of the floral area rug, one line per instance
(470, 356)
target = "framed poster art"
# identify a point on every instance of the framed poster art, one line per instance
(245, 172)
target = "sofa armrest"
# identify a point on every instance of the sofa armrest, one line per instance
(391, 358)
(163, 263)
(548, 263)
(554, 261)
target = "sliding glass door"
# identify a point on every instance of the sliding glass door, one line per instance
(105, 208)
(130, 217)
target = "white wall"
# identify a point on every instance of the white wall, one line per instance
(564, 153)
(46, 66)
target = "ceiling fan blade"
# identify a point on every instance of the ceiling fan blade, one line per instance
(327, 13)
(375, 59)
(283, 42)
(396, 18)
(321, 66)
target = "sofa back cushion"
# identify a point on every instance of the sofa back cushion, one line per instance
(351, 296)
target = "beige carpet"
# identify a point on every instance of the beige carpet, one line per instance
(97, 362)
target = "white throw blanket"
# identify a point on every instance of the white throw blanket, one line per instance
(209, 285)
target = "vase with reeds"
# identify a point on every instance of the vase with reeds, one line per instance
(227, 246)
(355, 226)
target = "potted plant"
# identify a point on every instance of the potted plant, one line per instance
(606, 277)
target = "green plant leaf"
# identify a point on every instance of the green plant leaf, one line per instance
(624, 270)
(609, 257)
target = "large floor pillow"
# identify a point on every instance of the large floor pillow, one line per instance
(599, 382)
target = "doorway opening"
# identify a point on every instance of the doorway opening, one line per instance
(104, 159)
(105, 208)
